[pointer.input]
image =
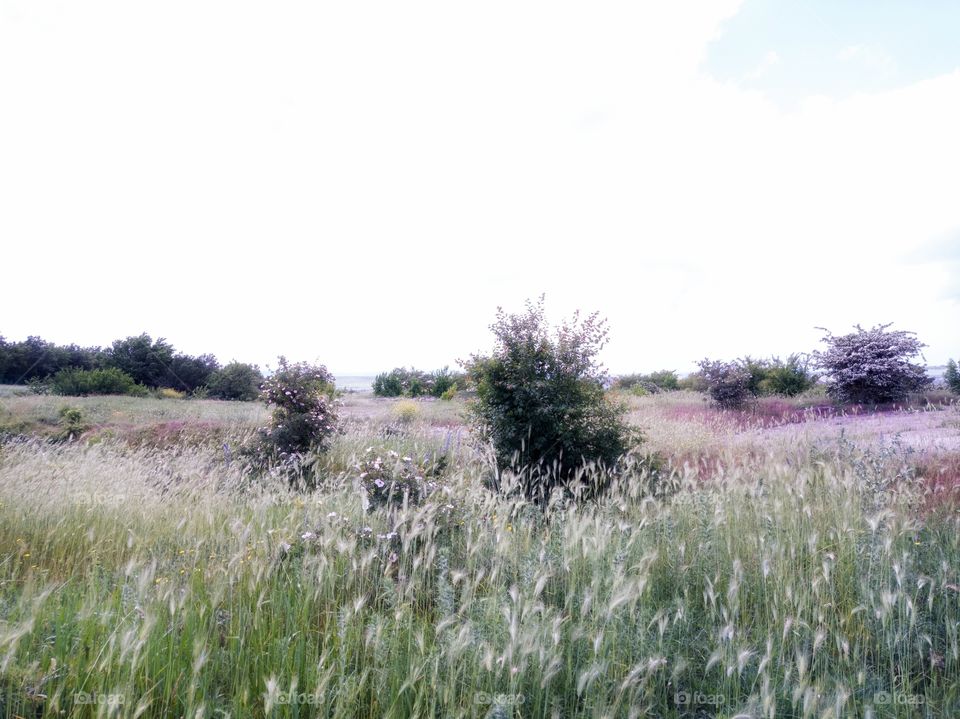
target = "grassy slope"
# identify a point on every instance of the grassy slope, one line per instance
(792, 575)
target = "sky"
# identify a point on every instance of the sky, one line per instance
(362, 184)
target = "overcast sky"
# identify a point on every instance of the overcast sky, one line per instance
(363, 183)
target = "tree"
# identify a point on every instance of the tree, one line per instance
(728, 383)
(144, 359)
(952, 377)
(872, 366)
(541, 403)
(236, 381)
(188, 373)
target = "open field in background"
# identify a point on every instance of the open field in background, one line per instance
(800, 562)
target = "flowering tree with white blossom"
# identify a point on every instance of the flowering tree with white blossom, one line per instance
(872, 366)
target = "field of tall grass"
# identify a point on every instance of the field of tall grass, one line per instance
(800, 566)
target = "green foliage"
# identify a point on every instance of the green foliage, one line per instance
(400, 382)
(79, 383)
(693, 382)
(775, 377)
(665, 380)
(236, 381)
(147, 361)
(541, 403)
(72, 423)
(449, 393)
(403, 382)
(952, 377)
(727, 382)
(304, 417)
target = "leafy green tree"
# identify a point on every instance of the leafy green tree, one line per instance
(952, 377)
(147, 361)
(236, 381)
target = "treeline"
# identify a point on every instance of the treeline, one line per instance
(403, 382)
(761, 377)
(133, 365)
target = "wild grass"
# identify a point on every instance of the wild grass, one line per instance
(816, 580)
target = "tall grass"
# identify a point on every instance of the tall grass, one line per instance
(167, 583)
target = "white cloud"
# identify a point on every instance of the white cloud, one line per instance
(364, 183)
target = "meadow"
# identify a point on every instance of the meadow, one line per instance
(785, 560)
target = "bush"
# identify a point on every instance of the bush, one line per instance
(72, 423)
(389, 480)
(541, 403)
(406, 412)
(663, 381)
(401, 381)
(952, 377)
(79, 383)
(236, 381)
(304, 415)
(872, 366)
(449, 393)
(775, 377)
(728, 383)
(170, 393)
(693, 382)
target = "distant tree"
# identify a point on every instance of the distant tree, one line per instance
(147, 361)
(872, 366)
(235, 381)
(728, 383)
(952, 377)
(188, 373)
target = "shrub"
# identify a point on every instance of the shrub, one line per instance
(693, 382)
(79, 382)
(449, 393)
(665, 380)
(304, 417)
(170, 393)
(389, 384)
(188, 374)
(728, 383)
(541, 403)
(952, 377)
(401, 381)
(389, 480)
(774, 376)
(872, 366)
(236, 381)
(406, 412)
(72, 423)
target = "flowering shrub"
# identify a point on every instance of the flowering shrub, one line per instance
(394, 480)
(304, 412)
(728, 383)
(541, 401)
(872, 366)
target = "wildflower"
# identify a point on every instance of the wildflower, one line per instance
(379, 482)
(307, 536)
